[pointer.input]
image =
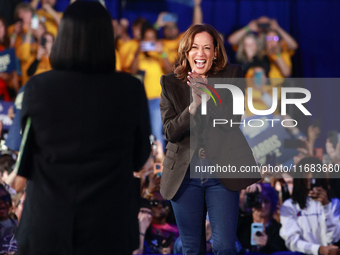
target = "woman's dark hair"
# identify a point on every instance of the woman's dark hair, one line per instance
(268, 192)
(85, 40)
(6, 41)
(300, 189)
(182, 65)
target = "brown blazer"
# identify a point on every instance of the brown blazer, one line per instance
(226, 145)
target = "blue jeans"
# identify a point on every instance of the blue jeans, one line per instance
(193, 199)
(155, 119)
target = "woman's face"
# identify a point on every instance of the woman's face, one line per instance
(202, 53)
(2, 30)
(39, 31)
(250, 45)
(49, 43)
(264, 211)
(150, 36)
(26, 17)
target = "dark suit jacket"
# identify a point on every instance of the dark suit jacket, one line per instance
(226, 145)
(91, 131)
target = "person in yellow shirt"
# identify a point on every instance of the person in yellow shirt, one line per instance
(127, 49)
(279, 58)
(262, 96)
(48, 15)
(41, 62)
(151, 59)
(118, 63)
(171, 33)
(28, 49)
(23, 14)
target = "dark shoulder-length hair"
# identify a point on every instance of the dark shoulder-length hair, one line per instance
(300, 189)
(182, 66)
(85, 40)
(5, 41)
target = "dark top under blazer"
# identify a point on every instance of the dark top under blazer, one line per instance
(233, 148)
(91, 131)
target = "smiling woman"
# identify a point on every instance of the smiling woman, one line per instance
(191, 141)
(201, 49)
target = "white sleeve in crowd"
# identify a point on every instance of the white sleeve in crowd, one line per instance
(291, 232)
(330, 221)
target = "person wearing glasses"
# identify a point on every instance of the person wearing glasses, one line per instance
(279, 58)
(161, 235)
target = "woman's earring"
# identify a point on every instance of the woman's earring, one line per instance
(215, 58)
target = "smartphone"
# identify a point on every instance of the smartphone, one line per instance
(292, 143)
(333, 137)
(35, 22)
(147, 46)
(43, 41)
(158, 169)
(170, 17)
(258, 79)
(256, 229)
(263, 26)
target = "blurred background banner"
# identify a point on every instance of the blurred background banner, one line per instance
(6, 120)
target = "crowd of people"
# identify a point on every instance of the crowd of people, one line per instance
(296, 215)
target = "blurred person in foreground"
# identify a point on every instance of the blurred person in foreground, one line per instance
(202, 56)
(311, 217)
(75, 165)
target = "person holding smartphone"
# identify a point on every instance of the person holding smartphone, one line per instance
(311, 217)
(152, 61)
(172, 35)
(41, 63)
(267, 241)
(48, 14)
